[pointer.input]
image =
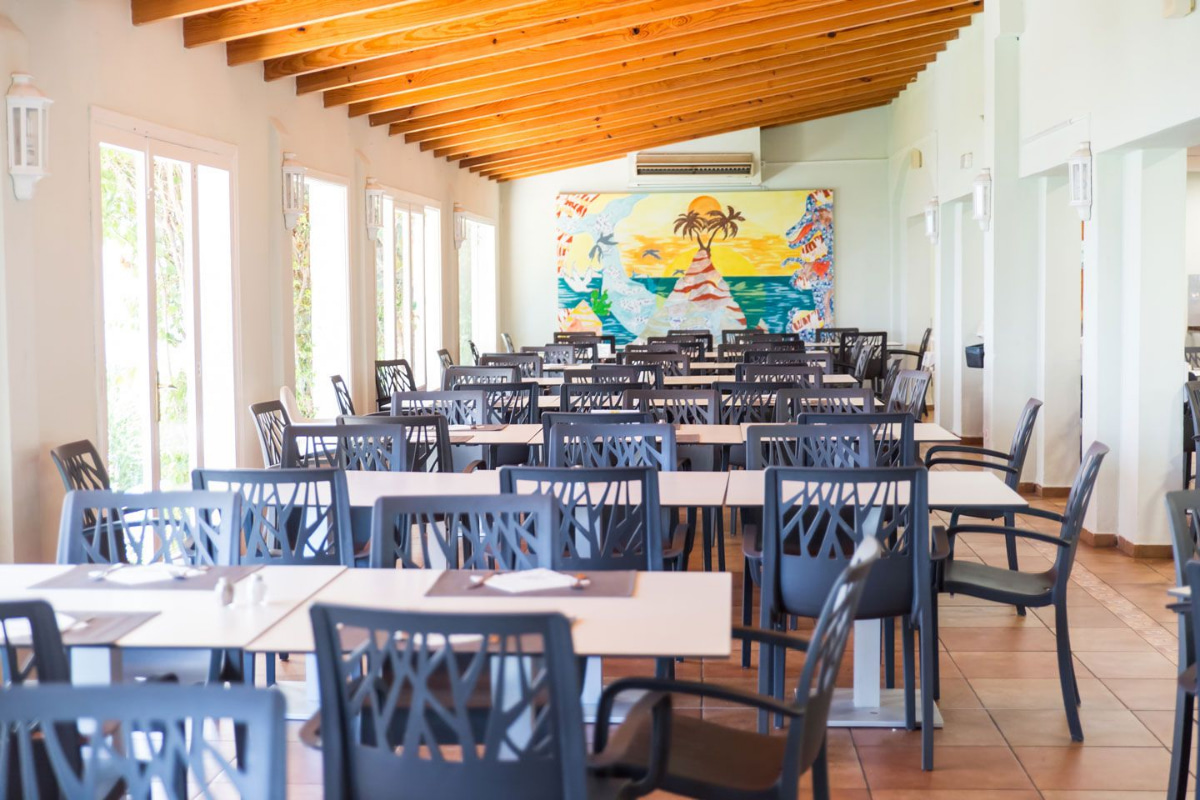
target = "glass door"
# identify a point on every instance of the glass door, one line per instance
(166, 265)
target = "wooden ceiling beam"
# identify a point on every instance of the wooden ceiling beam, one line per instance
(475, 35)
(656, 55)
(371, 79)
(147, 11)
(266, 16)
(737, 113)
(793, 85)
(566, 161)
(645, 84)
(757, 74)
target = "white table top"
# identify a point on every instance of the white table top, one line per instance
(699, 489)
(670, 613)
(923, 432)
(691, 434)
(947, 489)
(509, 434)
(185, 619)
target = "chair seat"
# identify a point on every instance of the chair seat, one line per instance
(703, 754)
(998, 583)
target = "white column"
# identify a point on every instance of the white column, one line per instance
(1153, 327)
(1009, 252)
(1102, 351)
(968, 259)
(1056, 454)
(948, 359)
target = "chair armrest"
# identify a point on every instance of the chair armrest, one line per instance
(692, 688)
(941, 544)
(1006, 531)
(474, 465)
(1182, 607)
(912, 353)
(773, 638)
(673, 548)
(310, 732)
(1040, 513)
(968, 462)
(750, 548)
(964, 448)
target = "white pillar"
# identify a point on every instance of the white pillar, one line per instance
(968, 260)
(948, 361)
(1102, 350)
(1009, 252)
(1153, 328)
(1056, 454)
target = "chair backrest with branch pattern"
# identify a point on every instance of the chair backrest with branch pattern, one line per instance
(448, 705)
(599, 445)
(676, 406)
(605, 519)
(145, 741)
(178, 527)
(289, 516)
(465, 406)
(840, 446)
(270, 420)
(507, 532)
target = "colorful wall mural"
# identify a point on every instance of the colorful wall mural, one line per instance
(638, 265)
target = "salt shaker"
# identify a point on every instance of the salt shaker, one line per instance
(258, 589)
(224, 590)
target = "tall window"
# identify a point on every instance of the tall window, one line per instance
(408, 286)
(477, 287)
(166, 261)
(321, 296)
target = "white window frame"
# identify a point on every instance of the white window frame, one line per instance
(290, 303)
(401, 196)
(120, 130)
(467, 215)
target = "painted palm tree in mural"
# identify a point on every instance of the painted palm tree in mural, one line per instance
(701, 297)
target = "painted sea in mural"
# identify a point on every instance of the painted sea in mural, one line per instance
(637, 265)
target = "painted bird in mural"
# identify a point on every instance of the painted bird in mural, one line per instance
(652, 253)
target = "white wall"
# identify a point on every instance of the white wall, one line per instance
(1193, 221)
(844, 153)
(84, 54)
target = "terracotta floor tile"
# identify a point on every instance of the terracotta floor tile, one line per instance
(1082, 616)
(1038, 693)
(1144, 695)
(1102, 727)
(957, 693)
(964, 728)
(1128, 665)
(954, 768)
(985, 617)
(1160, 723)
(1004, 640)
(1110, 640)
(953, 794)
(1012, 665)
(1100, 795)
(1103, 768)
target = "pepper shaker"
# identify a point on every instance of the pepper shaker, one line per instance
(224, 590)
(258, 589)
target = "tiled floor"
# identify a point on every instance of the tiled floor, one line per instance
(1005, 736)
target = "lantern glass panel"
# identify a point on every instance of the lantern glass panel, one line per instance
(16, 130)
(33, 155)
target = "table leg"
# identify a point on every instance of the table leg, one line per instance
(867, 705)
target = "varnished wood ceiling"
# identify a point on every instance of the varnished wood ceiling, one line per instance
(514, 88)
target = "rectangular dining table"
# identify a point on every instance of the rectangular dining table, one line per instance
(183, 619)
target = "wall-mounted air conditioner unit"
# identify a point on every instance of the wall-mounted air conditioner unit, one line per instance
(694, 169)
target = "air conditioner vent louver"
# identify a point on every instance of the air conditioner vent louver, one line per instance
(693, 168)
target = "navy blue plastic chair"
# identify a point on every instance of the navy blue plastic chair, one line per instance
(341, 393)
(908, 392)
(574, 396)
(606, 519)
(607, 445)
(813, 519)
(1036, 589)
(181, 527)
(36, 651)
(499, 532)
(452, 706)
(1183, 514)
(529, 364)
(289, 516)
(454, 377)
(790, 404)
(142, 742)
(676, 406)
(695, 757)
(270, 420)
(466, 406)
(80, 466)
(794, 374)
(391, 376)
